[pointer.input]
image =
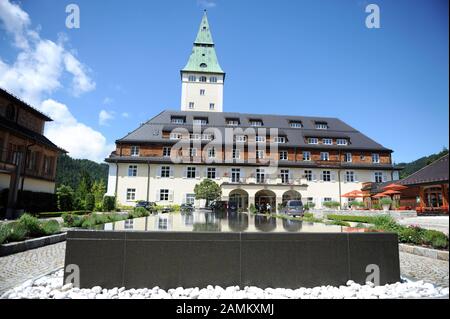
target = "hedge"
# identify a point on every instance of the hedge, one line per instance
(350, 218)
(31, 202)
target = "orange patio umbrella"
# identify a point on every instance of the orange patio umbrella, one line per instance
(390, 192)
(353, 194)
(395, 187)
(379, 195)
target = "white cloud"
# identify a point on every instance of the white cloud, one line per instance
(81, 140)
(207, 3)
(108, 101)
(104, 117)
(125, 115)
(37, 72)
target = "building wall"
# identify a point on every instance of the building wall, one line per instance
(190, 92)
(4, 181)
(178, 185)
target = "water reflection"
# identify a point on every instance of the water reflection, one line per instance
(207, 221)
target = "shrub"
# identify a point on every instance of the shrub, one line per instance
(16, 232)
(340, 223)
(3, 233)
(175, 208)
(332, 204)
(138, 212)
(435, 238)
(109, 203)
(386, 223)
(350, 218)
(385, 201)
(252, 209)
(411, 235)
(90, 202)
(356, 203)
(65, 197)
(308, 215)
(51, 227)
(32, 225)
(309, 206)
(376, 206)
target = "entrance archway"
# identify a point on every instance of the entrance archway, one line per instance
(264, 197)
(240, 197)
(291, 195)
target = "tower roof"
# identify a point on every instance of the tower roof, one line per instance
(203, 57)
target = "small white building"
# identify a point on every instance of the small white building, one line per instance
(255, 158)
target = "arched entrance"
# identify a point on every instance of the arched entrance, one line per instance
(291, 195)
(264, 197)
(240, 197)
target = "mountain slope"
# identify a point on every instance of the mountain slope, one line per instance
(68, 171)
(414, 166)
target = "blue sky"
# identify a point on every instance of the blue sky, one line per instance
(308, 57)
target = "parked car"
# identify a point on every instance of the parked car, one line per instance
(218, 205)
(293, 208)
(187, 208)
(232, 207)
(150, 206)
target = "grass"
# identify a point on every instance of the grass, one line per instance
(27, 226)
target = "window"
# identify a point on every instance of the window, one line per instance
(348, 157)
(213, 79)
(341, 141)
(165, 171)
(260, 138)
(31, 160)
(235, 175)
(163, 195)
(260, 154)
(284, 173)
(309, 200)
(203, 78)
(327, 199)
(202, 92)
(132, 170)
(306, 156)
(308, 175)
(375, 158)
(192, 78)
(131, 194)
(378, 176)
(233, 122)
(191, 105)
(236, 153)
(10, 112)
(324, 156)
(211, 172)
(178, 120)
(212, 152)
(260, 175)
(296, 124)
(326, 176)
(241, 138)
(191, 172)
(280, 139)
(175, 136)
(48, 163)
(327, 141)
(207, 137)
(283, 155)
(128, 224)
(349, 176)
(192, 152)
(166, 151)
(212, 106)
(190, 199)
(256, 123)
(313, 140)
(200, 121)
(134, 150)
(195, 137)
(321, 125)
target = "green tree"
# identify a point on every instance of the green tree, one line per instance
(90, 202)
(208, 190)
(65, 197)
(84, 187)
(99, 190)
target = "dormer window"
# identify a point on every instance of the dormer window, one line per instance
(233, 122)
(134, 150)
(296, 124)
(200, 121)
(341, 141)
(327, 141)
(280, 139)
(260, 139)
(195, 136)
(203, 65)
(321, 125)
(178, 120)
(176, 136)
(241, 138)
(256, 123)
(313, 140)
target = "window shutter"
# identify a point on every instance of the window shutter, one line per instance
(384, 177)
(314, 177)
(321, 177)
(157, 199)
(197, 173)
(185, 172)
(217, 173)
(333, 176)
(356, 177)
(158, 172)
(373, 177)
(171, 196)
(171, 172)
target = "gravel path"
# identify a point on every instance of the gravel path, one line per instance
(18, 268)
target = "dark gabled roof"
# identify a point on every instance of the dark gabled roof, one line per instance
(151, 131)
(436, 172)
(23, 131)
(11, 97)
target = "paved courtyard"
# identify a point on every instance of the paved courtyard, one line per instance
(18, 268)
(439, 223)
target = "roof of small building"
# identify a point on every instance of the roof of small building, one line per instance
(152, 131)
(28, 107)
(436, 172)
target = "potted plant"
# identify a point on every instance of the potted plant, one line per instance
(385, 202)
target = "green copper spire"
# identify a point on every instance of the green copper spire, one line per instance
(203, 57)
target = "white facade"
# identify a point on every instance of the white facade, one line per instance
(178, 188)
(202, 96)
